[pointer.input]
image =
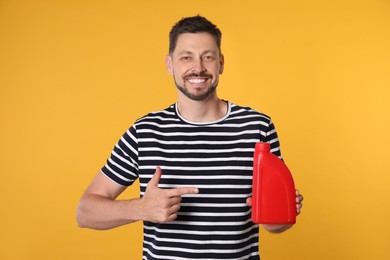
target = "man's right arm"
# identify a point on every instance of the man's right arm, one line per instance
(99, 209)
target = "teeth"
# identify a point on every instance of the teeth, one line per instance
(196, 80)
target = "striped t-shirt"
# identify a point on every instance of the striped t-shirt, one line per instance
(217, 158)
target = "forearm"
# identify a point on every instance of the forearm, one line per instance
(98, 212)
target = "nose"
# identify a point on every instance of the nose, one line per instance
(198, 65)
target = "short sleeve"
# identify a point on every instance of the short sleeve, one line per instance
(122, 165)
(271, 137)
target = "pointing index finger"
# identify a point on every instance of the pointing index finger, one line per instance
(182, 191)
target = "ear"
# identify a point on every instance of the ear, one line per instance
(221, 63)
(168, 64)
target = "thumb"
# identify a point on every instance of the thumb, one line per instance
(249, 202)
(156, 177)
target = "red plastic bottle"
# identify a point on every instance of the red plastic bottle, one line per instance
(273, 189)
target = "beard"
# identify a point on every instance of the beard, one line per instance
(198, 96)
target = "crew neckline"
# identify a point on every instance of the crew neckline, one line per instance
(208, 122)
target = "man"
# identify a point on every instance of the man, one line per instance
(194, 160)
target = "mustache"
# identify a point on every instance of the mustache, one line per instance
(201, 74)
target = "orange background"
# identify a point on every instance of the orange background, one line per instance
(74, 75)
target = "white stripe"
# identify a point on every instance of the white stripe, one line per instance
(222, 186)
(199, 133)
(275, 149)
(205, 233)
(154, 140)
(123, 169)
(244, 117)
(130, 162)
(170, 159)
(200, 242)
(199, 177)
(163, 118)
(200, 251)
(128, 146)
(118, 175)
(271, 132)
(214, 205)
(212, 126)
(213, 196)
(205, 168)
(213, 214)
(135, 140)
(181, 258)
(146, 149)
(203, 223)
(274, 141)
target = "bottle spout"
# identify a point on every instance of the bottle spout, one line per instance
(263, 147)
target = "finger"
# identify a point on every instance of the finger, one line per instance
(171, 214)
(299, 199)
(299, 204)
(171, 218)
(182, 191)
(299, 207)
(249, 202)
(298, 196)
(174, 209)
(174, 201)
(154, 181)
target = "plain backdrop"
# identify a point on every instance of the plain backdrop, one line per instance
(74, 75)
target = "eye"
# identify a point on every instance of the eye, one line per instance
(185, 58)
(209, 57)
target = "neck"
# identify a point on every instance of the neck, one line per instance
(207, 110)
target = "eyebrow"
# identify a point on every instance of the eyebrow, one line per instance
(184, 52)
(203, 53)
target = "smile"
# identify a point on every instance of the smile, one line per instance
(196, 80)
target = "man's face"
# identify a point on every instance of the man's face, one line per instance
(195, 65)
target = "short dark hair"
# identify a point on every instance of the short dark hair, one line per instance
(194, 24)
